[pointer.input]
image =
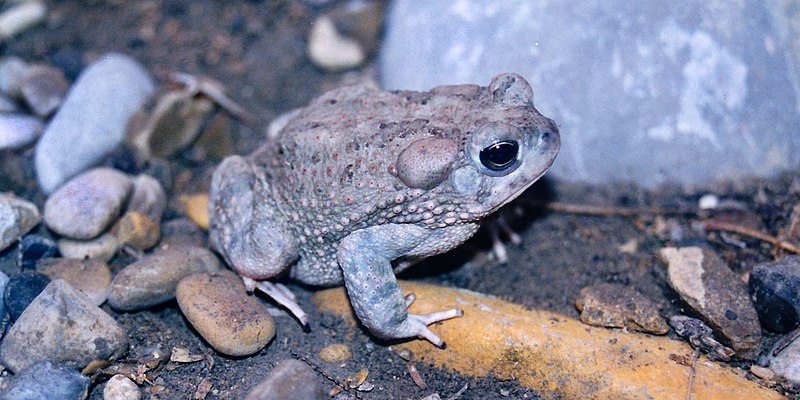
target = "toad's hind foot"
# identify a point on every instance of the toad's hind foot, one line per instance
(283, 296)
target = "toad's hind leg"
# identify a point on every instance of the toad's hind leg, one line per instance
(248, 232)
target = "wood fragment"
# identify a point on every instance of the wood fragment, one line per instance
(585, 209)
(692, 373)
(459, 393)
(416, 377)
(722, 226)
(202, 389)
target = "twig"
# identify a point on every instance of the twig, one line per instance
(692, 373)
(722, 226)
(609, 211)
(324, 375)
(460, 392)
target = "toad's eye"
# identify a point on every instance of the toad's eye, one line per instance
(499, 155)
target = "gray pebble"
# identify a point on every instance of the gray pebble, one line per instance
(119, 387)
(21, 290)
(61, 325)
(91, 122)
(713, 291)
(775, 289)
(47, 381)
(153, 279)
(290, 379)
(148, 197)
(44, 89)
(92, 277)
(102, 248)
(12, 73)
(17, 217)
(18, 130)
(88, 203)
(181, 232)
(20, 17)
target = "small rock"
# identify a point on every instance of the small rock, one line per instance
(47, 381)
(787, 362)
(713, 291)
(180, 232)
(119, 387)
(61, 325)
(91, 121)
(328, 49)
(102, 248)
(153, 279)
(35, 247)
(21, 17)
(3, 283)
(137, 230)
(617, 306)
(196, 208)
(775, 288)
(18, 130)
(17, 217)
(88, 203)
(335, 353)
(92, 277)
(44, 89)
(21, 290)
(175, 123)
(219, 308)
(290, 379)
(148, 197)
(12, 73)
(762, 372)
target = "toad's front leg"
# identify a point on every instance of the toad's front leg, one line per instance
(365, 257)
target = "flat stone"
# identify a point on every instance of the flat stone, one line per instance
(137, 229)
(90, 276)
(21, 290)
(335, 353)
(47, 381)
(17, 217)
(617, 306)
(153, 279)
(119, 387)
(712, 290)
(88, 203)
(91, 121)
(219, 308)
(682, 92)
(775, 289)
(148, 197)
(44, 89)
(500, 339)
(102, 248)
(290, 379)
(61, 325)
(18, 130)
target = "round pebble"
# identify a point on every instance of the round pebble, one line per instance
(290, 379)
(196, 208)
(12, 73)
(92, 277)
(137, 230)
(44, 89)
(35, 247)
(102, 248)
(329, 50)
(148, 197)
(119, 387)
(335, 353)
(21, 289)
(61, 325)
(18, 130)
(45, 381)
(219, 308)
(17, 217)
(152, 280)
(88, 203)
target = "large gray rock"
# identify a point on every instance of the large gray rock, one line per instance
(92, 119)
(47, 381)
(652, 92)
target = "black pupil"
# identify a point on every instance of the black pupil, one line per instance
(499, 155)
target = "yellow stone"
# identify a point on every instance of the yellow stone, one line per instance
(334, 353)
(196, 208)
(556, 355)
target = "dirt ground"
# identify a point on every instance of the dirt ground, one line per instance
(257, 50)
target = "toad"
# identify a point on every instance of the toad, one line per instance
(362, 183)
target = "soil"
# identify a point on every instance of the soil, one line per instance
(257, 49)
